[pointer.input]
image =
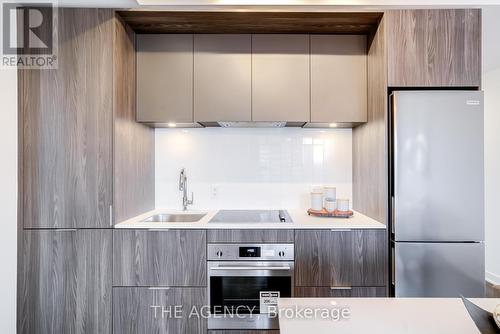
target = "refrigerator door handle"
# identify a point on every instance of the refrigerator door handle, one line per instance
(393, 266)
(393, 214)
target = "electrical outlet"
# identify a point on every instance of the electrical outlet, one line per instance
(214, 192)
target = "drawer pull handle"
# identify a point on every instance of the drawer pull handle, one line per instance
(251, 268)
(159, 288)
(341, 230)
(341, 288)
(158, 229)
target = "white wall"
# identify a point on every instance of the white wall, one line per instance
(8, 199)
(251, 168)
(491, 86)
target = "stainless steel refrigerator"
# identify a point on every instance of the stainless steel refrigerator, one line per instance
(437, 193)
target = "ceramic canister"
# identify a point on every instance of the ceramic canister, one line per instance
(317, 201)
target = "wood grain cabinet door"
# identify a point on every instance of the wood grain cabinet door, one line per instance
(338, 78)
(332, 292)
(434, 48)
(165, 78)
(67, 127)
(159, 258)
(280, 78)
(159, 310)
(222, 77)
(65, 283)
(250, 236)
(325, 258)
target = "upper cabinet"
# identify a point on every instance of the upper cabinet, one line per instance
(67, 126)
(280, 78)
(222, 77)
(165, 78)
(84, 160)
(338, 78)
(434, 48)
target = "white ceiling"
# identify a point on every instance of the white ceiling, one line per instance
(491, 12)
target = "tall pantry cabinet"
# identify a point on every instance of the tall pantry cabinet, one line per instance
(79, 145)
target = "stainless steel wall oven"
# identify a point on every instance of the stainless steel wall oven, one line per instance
(245, 281)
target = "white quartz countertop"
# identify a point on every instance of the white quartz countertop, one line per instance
(379, 315)
(301, 220)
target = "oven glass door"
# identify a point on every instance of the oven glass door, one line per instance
(243, 288)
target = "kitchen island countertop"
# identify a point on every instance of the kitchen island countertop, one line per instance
(300, 218)
(380, 315)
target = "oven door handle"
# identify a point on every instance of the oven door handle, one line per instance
(250, 268)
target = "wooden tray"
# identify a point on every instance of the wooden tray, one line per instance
(334, 214)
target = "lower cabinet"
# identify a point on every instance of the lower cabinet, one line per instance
(65, 282)
(330, 258)
(326, 292)
(159, 258)
(162, 310)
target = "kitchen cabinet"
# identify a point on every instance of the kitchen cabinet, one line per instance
(369, 141)
(222, 77)
(153, 310)
(165, 78)
(66, 116)
(434, 47)
(159, 258)
(280, 78)
(65, 282)
(325, 258)
(133, 142)
(79, 141)
(338, 78)
(250, 236)
(327, 292)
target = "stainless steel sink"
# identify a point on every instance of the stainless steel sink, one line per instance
(176, 218)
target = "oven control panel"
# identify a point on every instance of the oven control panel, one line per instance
(250, 252)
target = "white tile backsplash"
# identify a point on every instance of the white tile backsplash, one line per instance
(251, 168)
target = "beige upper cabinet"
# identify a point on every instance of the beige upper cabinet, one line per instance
(338, 78)
(280, 78)
(222, 77)
(165, 78)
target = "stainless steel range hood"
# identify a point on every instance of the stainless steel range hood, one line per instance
(249, 124)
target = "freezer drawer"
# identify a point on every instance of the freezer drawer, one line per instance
(439, 269)
(438, 166)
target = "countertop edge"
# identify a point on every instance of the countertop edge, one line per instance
(301, 221)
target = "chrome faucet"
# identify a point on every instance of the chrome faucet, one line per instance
(183, 188)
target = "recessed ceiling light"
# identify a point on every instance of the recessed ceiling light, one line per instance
(171, 125)
(333, 125)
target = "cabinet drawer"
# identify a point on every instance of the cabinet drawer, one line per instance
(255, 236)
(152, 310)
(334, 258)
(151, 258)
(320, 292)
